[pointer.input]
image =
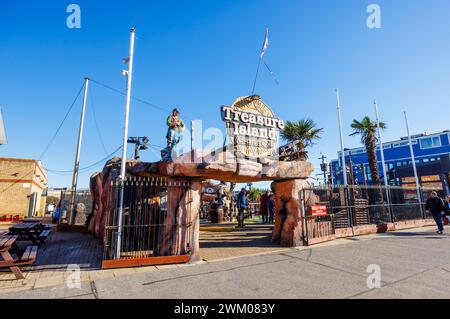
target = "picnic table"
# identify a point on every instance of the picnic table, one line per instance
(32, 231)
(8, 245)
(32, 220)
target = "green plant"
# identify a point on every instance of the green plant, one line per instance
(366, 128)
(303, 132)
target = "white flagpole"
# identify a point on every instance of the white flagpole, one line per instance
(129, 74)
(256, 76)
(76, 165)
(383, 163)
(341, 136)
(416, 176)
(263, 51)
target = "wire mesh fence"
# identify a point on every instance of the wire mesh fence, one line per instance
(75, 207)
(151, 227)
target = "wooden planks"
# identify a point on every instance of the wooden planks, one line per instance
(148, 261)
(320, 231)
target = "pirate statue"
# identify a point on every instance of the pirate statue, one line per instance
(175, 129)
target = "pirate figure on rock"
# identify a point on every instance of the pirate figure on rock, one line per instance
(175, 130)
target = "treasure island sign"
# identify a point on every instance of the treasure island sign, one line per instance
(252, 127)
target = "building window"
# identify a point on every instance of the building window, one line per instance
(430, 142)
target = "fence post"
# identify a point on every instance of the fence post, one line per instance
(304, 218)
(348, 205)
(389, 201)
(421, 200)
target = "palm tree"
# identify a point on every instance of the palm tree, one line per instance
(366, 128)
(303, 133)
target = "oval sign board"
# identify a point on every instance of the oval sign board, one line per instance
(252, 127)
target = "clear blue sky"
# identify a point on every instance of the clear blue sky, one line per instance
(199, 55)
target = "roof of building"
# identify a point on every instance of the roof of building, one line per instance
(402, 140)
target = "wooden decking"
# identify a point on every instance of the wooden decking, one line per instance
(62, 249)
(65, 248)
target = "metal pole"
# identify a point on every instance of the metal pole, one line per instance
(324, 167)
(76, 165)
(344, 168)
(136, 150)
(380, 140)
(256, 76)
(331, 175)
(416, 176)
(124, 144)
(192, 142)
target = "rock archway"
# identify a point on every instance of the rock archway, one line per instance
(288, 180)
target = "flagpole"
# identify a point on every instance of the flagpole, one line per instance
(263, 50)
(124, 146)
(413, 159)
(383, 163)
(341, 136)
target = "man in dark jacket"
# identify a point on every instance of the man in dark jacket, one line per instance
(241, 206)
(436, 207)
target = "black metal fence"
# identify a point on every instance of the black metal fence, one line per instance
(354, 205)
(329, 208)
(150, 226)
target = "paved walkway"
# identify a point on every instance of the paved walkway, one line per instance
(252, 239)
(413, 264)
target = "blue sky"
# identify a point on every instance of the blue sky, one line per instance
(199, 55)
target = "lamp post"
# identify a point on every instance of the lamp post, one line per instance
(140, 143)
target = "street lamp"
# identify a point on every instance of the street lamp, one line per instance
(140, 143)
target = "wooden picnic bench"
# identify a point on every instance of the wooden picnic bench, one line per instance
(33, 231)
(7, 245)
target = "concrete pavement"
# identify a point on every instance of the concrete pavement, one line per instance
(413, 264)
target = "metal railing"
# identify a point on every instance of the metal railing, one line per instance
(151, 227)
(350, 206)
(362, 205)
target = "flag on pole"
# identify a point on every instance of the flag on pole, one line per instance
(266, 43)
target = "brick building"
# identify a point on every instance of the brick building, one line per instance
(23, 185)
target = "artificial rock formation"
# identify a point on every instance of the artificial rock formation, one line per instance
(224, 166)
(289, 180)
(289, 200)
(183, 205)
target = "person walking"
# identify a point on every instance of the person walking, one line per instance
(241, 205)
(447, 209)
(263, 210)
(271, 207)
(436, 207)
